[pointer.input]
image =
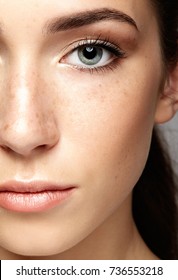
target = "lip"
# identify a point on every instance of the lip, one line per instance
(36, 196)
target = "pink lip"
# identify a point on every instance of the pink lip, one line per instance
(33, 196)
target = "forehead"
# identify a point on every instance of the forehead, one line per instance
(34, 14)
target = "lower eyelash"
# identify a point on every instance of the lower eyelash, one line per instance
(101, 69)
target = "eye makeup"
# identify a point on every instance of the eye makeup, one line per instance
(108, 55)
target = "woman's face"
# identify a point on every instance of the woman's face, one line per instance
(79, 87)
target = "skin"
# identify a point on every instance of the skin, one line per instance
(62, 124)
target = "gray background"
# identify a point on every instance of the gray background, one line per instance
(170, 131)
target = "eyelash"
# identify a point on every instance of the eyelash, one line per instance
(106, 44)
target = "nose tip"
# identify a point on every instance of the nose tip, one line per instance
(25, 132)
(26, 140)
(23, 151)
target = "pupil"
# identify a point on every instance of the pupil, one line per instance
(90, 53)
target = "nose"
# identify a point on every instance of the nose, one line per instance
(27, 120)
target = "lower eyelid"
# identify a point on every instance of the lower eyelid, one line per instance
(101, 70)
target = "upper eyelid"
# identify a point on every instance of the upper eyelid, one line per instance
(91, 41)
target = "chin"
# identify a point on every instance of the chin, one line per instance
(27, 247)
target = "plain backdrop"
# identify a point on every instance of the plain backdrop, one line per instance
(170, 131)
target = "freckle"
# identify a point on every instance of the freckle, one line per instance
(116, 177)
(53, 137)
(6, 127)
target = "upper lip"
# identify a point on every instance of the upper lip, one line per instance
(32, 186)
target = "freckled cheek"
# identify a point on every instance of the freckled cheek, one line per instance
(93, 111)
(110, 126)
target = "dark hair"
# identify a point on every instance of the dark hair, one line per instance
(155, 209)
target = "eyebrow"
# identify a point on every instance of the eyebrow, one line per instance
(80, 19)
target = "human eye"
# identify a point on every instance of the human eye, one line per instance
(90, 55)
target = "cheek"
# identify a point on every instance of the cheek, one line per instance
(106, 131)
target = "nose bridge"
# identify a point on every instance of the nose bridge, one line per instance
(23, 123)
(20, 91)
(21, 69)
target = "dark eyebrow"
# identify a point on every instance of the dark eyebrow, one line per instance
(77, 20)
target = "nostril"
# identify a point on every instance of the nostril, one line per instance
(5, 148)
(42, 147)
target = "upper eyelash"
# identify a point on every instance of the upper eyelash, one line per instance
(106, 44)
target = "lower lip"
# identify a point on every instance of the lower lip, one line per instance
(33, 202)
